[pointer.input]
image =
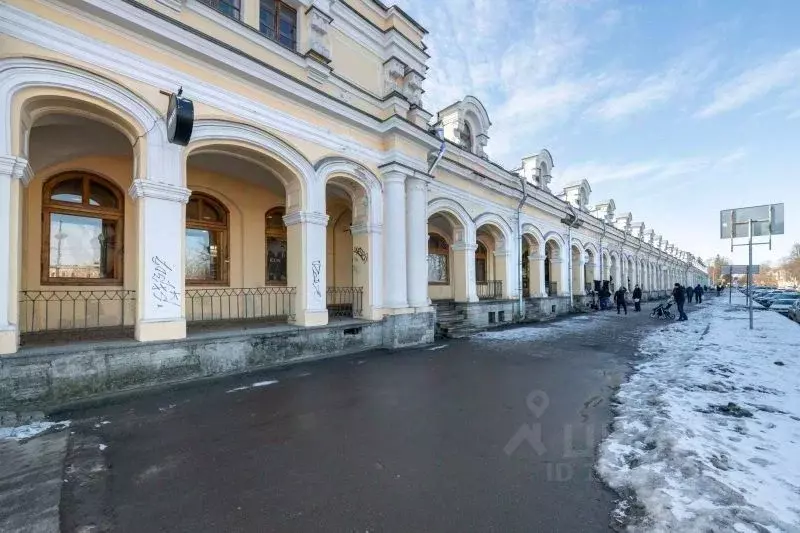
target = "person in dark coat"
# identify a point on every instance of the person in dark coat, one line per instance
(619, 299)
(698, 294)
(680, 298)
(637, 299)
(689, 293)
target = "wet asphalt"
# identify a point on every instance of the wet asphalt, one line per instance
(467, 435)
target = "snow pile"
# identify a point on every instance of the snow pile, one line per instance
(253, 386)
(31, 430)
(707, 436)
(540, 332)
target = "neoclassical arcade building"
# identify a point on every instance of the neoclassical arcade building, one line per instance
(315, 190)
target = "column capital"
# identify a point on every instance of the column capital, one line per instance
(464, 246)
(501, 253)
(536, 257)
(306, 217)
(17, 168)
(150, 188)
(416, 184)
(363, 229)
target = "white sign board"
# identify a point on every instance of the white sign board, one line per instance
(736, 270)
(767, 220)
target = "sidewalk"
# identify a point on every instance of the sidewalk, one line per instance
(708, 426)
(31, 472)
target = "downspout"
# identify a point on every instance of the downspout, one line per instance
(569, 253)
(602, 270)
(519, 232)
(439, 132)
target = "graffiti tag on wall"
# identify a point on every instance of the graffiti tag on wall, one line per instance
(316, 268)
(163, 286)
(361, 253)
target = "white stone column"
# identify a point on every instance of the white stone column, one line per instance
(395, 282)
(160, 209)
(14, 174)
(305, 263)
(463, 272)
(367, 267)
(578, 274)
(417, 241)
(560, 265)
(536, 276)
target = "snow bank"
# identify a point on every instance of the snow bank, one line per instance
(31, 430)
(707, 435)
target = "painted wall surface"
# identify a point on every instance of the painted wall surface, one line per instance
(339, 246)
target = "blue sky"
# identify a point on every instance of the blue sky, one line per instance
(675, 109)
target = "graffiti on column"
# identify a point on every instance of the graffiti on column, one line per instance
(163, 287)
(316, 268)
(361, 253)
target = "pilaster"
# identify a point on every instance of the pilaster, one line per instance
(305, 257)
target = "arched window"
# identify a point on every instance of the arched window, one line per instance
(466, 136)
(206, 241)
(480, 263)
(276, 246)
(438, 260)
(82, 230)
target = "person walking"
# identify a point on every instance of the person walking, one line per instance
(679, 294)
(689, 293)
(637, 299)
(698, 294)
(619, 299)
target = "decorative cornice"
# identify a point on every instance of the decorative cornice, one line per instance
(363, 229)
(306, 217)
(17, 168)
(151, 188)
(464, 247)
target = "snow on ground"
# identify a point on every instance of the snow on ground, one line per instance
(544, 331)
(31, 430)
(253, 386)
(707, 433)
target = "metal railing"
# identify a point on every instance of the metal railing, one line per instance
(345, 302)
(76, 314)
(229, 8)
(490, 290)
(239, 304)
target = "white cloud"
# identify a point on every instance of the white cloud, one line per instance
(651, 171)
(755, 83)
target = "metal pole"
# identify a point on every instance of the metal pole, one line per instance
(749, 271)
(730, 285)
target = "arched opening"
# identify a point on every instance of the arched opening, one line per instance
(490, 263)
(78, 248)
(630, 274)
(466, 136)
(532, 267)
(238, 252)
(614, 273)
(442, 230)
(589, 270)
(552, 268)
(347, 256)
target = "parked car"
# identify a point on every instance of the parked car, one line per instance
(794, 312)
(782, 305)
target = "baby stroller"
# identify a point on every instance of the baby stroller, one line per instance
(662, 310)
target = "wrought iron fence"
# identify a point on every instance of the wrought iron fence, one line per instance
(231, 304)
(490, 290)
(75, 314)
(345, 302)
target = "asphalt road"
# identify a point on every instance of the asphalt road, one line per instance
(475, 435)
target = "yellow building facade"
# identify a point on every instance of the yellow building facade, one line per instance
(314, 184)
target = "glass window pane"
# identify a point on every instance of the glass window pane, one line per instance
(203, 257)
(101, 196)
(437, 268)
(274, 220)
(267, 18)
(81, 247)
(480, 270)
(193, 209)
(211, 213)
(68, 191)
(276, 260)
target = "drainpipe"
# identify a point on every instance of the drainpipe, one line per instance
(602, 269)
(569, 253)
(519, 232)
(439, 132)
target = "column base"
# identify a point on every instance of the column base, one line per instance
(160, 330)
(391, 311)
(9, 340)
(310, 318)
